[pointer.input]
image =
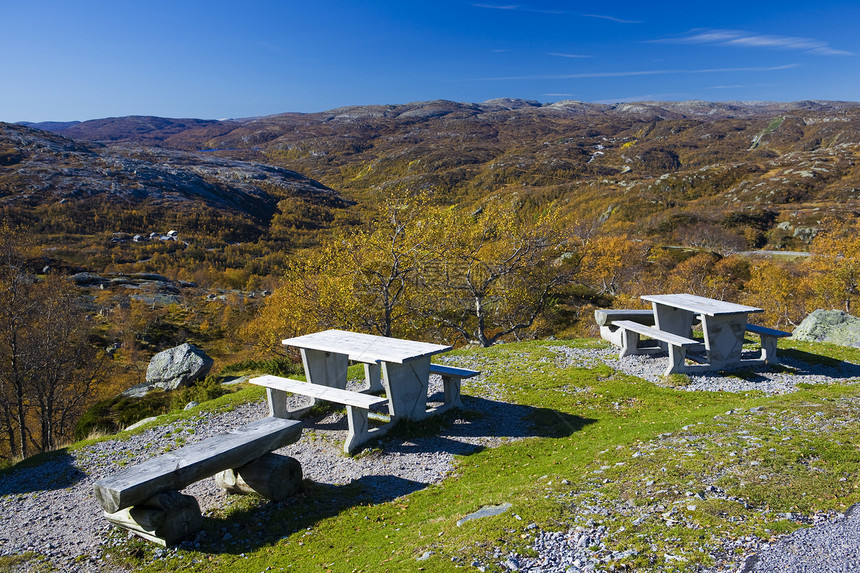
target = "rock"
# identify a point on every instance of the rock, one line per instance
(833, 326)
(178, 366)
(486, 511)
(272, 476)
(88, 279)
(138, 390)
(141, 422)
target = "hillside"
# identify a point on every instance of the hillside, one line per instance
(221, 210)
(761, 172)
(59, 185)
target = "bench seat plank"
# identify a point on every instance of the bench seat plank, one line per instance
(769, 337)
(451, 378)
(766, 331)
(357, 405)
(327, 393)
(452, 371)
(607, 316)
(656, 333)
(677, 345)
(180, 468)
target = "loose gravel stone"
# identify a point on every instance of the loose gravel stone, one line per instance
(50, 509)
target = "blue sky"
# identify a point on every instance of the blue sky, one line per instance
(84, 59)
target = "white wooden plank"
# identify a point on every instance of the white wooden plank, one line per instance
(656, 333)
(327, 393)
(700, 304)
(366, 347)
(452, 371)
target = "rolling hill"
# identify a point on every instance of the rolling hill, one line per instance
(758, 170)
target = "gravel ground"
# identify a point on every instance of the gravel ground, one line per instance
(49, 510)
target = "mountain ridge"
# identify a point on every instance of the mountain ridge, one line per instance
(650, 167)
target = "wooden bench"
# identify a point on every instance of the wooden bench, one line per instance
(677, 345)
(357, 404)
(769, 338)
(606, 318)
(146, 500)
(451, 379)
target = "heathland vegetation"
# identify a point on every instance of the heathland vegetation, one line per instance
(469, 223)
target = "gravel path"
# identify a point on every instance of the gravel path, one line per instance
(49, 510)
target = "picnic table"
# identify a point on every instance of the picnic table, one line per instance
(723, 324)
(401, 368)
(404, 365)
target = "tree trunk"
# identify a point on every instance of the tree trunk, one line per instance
(21, 414)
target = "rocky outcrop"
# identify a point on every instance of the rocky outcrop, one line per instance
(178, 366)
(173, 368)
(833, 326)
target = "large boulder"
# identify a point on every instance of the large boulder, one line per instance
(833, 326)
(179, 366)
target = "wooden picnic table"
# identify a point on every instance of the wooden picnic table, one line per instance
(401, 367)
(723, 325)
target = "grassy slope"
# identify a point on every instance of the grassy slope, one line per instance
(643, 460)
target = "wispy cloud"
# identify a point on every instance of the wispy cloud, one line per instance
(642, 98)
(563, 55)
(634, 73)
(751, 40)
(737, 86)
(518, 8)
(611, 19)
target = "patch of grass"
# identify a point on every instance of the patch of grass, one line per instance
(819, 352)
(28, 561)
(677, 380)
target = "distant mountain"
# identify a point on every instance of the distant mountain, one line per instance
(758, 170)
(50, 175)
(138, 129)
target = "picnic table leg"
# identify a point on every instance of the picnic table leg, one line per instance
(724, 339)
(674, 320)
(373, 375)
(451, 384)
(677, 354)
(768, 349)
(358, 428)
(629, 343)
(325, 368)
(407, 387)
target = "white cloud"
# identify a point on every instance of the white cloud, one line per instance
(611, 18)
(634, 73)
(517, 8)
(737, 86)
(751, 40)
(562, 55)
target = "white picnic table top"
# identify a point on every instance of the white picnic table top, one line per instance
(366, 347)
(701, 304)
